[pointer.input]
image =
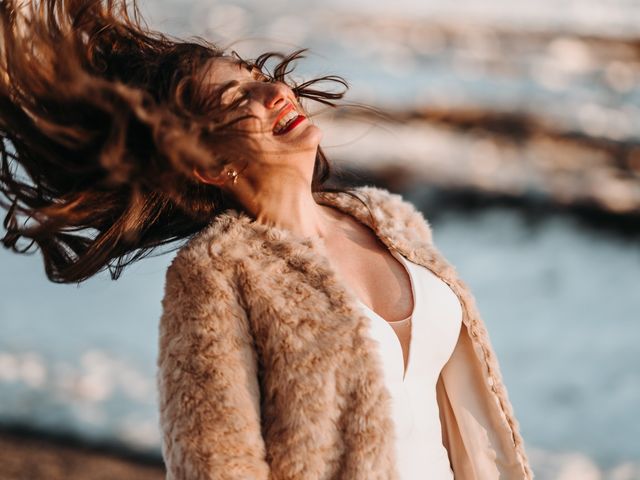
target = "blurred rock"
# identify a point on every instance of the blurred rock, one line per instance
(496, 153)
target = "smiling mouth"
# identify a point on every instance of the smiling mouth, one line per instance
(288, 123)
(288, 120)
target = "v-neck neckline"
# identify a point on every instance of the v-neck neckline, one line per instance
(403, 262)
(405, 370)
(416, 249)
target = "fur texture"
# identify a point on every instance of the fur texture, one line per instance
(266, 369)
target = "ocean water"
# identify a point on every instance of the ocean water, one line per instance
(560, 301)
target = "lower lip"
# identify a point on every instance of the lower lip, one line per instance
(292, 125)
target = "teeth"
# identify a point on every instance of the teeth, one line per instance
(285, 120)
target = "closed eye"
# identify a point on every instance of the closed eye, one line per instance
(233, 91)
(229, 91)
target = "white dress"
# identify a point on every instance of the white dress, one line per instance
(430, 333)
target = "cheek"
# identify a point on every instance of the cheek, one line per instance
(251, 121)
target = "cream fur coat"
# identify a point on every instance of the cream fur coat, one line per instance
(266, 370)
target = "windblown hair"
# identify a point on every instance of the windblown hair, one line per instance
(106, 119)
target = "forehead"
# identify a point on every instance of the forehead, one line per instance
(224, 69)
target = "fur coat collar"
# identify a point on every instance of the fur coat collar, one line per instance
(266, 371)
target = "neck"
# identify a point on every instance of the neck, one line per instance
(292, 208)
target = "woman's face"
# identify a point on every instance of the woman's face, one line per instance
(280, 129)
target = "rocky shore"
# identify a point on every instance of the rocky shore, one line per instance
(490, 155)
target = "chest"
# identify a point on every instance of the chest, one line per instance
(367, 268)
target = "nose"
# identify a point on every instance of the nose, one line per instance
(276, 94)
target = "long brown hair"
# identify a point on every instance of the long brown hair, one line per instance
(107, 118)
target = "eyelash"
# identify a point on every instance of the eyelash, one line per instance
(263, 79)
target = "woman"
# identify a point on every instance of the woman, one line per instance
(294, 336)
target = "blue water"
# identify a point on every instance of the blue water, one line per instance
(560, 302)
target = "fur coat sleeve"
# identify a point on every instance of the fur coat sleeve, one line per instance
(207, 378)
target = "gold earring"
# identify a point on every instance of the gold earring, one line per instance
(233, 174)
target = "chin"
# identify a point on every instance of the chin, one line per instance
(313, 133)
(309, 137)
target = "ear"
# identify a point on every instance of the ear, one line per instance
(217, 180)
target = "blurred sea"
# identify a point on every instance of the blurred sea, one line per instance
(560, 299)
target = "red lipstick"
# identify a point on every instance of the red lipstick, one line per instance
(292, 125)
